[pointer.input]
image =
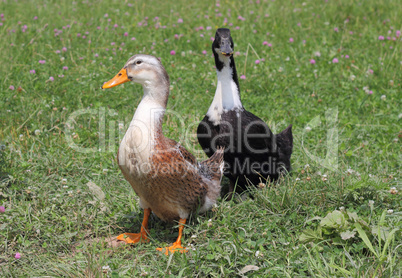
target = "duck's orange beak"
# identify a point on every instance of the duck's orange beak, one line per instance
(120, 78)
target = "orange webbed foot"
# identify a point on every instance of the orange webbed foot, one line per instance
(176, 247)
(132, 238)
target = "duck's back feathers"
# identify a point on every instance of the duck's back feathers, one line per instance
(253, 153)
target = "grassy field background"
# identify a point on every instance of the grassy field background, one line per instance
(330, 68)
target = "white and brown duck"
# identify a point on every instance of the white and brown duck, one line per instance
(167, 178)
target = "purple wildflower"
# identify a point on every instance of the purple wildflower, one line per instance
(335, 61)
(65, 68)
(51, 78)
(242, 76)
(17, 256)
(12, 88)
(32, 71)
(257, 62)
(380, 38)
(42, 62)
(172, 52)
(312, 61)
(291, 40)
(2, 209)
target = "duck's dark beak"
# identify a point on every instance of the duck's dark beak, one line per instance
(120, 78)
(225, 47)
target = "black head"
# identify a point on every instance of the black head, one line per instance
(223, 43)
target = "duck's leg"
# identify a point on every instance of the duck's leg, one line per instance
(142, 235)
(176, 247)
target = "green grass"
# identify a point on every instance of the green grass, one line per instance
(61, 228)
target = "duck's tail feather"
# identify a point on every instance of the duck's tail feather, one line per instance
(211, 171)
(284, 141)
(212, 168)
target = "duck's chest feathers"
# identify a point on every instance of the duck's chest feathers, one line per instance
(227, 95)
(138, 144)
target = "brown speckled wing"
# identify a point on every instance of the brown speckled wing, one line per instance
(173, 145)
(175, 177)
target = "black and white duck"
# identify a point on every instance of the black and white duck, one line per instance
(253, 154)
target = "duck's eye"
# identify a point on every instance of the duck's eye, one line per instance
(138, 62)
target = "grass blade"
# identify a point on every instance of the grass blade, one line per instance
(365, 239)
(388, 241)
